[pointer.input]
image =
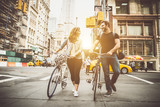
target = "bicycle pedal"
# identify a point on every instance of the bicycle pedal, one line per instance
(88, 80)
(64, 84)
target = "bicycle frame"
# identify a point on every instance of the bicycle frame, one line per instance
(97, 75)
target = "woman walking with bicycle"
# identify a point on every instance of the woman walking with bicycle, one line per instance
(74, 61)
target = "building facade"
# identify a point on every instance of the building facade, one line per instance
(138, 24)
(38, 38)
(13, 24)
(24, 30)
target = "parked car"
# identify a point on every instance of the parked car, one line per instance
(38, 63)
(124, 68)
(30, 63)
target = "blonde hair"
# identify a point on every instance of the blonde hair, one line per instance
(74, 34)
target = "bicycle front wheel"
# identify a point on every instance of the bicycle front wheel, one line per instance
(53, 81)
(95, 85)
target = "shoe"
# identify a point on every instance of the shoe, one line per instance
(108, 94)
(76, 93)
(113, 87)
(73, 89)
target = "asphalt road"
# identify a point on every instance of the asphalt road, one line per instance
(27, 87)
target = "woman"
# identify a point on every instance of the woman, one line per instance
(74, 61)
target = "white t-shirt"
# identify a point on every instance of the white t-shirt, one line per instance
(72, 48)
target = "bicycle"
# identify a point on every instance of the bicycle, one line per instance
(96, 79)
(59, 75)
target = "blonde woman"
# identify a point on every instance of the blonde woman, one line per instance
(74, 61)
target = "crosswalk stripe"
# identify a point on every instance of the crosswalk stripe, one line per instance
(45, 78)
(140, 79)
(11, 78)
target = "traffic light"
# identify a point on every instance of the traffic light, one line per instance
(100, 16)
(19, 4)
(24, 7)
(87, 22)
(90, 22)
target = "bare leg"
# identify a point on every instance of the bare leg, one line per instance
(73, 82)
(76, 87)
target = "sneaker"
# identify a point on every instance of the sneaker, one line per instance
(108, 94)
(76, 93)
(73, 89)
(113, 87)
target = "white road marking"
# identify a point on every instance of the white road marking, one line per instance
(11, 78)
(140, 79)
(45, 78)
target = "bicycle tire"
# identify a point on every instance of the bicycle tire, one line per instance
(53, 81)
(95, 85)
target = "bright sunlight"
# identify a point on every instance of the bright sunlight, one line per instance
(86, 39)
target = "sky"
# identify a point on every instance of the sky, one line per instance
(82, 10)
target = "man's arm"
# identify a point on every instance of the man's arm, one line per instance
(117, 46)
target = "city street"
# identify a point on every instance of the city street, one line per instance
(27, 87)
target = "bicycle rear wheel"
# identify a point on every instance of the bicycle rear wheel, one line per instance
(95, 85)
(53, 81)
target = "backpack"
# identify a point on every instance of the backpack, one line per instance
(119, 53)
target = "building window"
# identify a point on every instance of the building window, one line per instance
(138, 47)
(135, 28)
(148, 29)
(146, 6)
(123, 46)
(149, 48)
(122, 6)
(122, 30)
(34, 3)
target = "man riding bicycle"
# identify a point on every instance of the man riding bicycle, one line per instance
(110, 43)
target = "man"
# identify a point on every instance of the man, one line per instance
(110, 43)
(133, 65)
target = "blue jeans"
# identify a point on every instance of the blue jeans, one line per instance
(113, 61)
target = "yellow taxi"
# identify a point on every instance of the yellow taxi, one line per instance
(124, 68)
(30, 63)
(38, 63)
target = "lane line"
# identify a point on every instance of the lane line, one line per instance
(45, 78)
(11, 78)
(140, 79)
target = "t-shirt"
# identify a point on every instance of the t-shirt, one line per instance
(107, 41)
(72, 48)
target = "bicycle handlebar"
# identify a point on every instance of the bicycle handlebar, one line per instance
(101, 54)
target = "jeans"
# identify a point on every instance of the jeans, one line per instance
(113, 61)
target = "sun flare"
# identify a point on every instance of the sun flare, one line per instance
(86, 42)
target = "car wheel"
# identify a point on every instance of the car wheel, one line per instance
(124, 70)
